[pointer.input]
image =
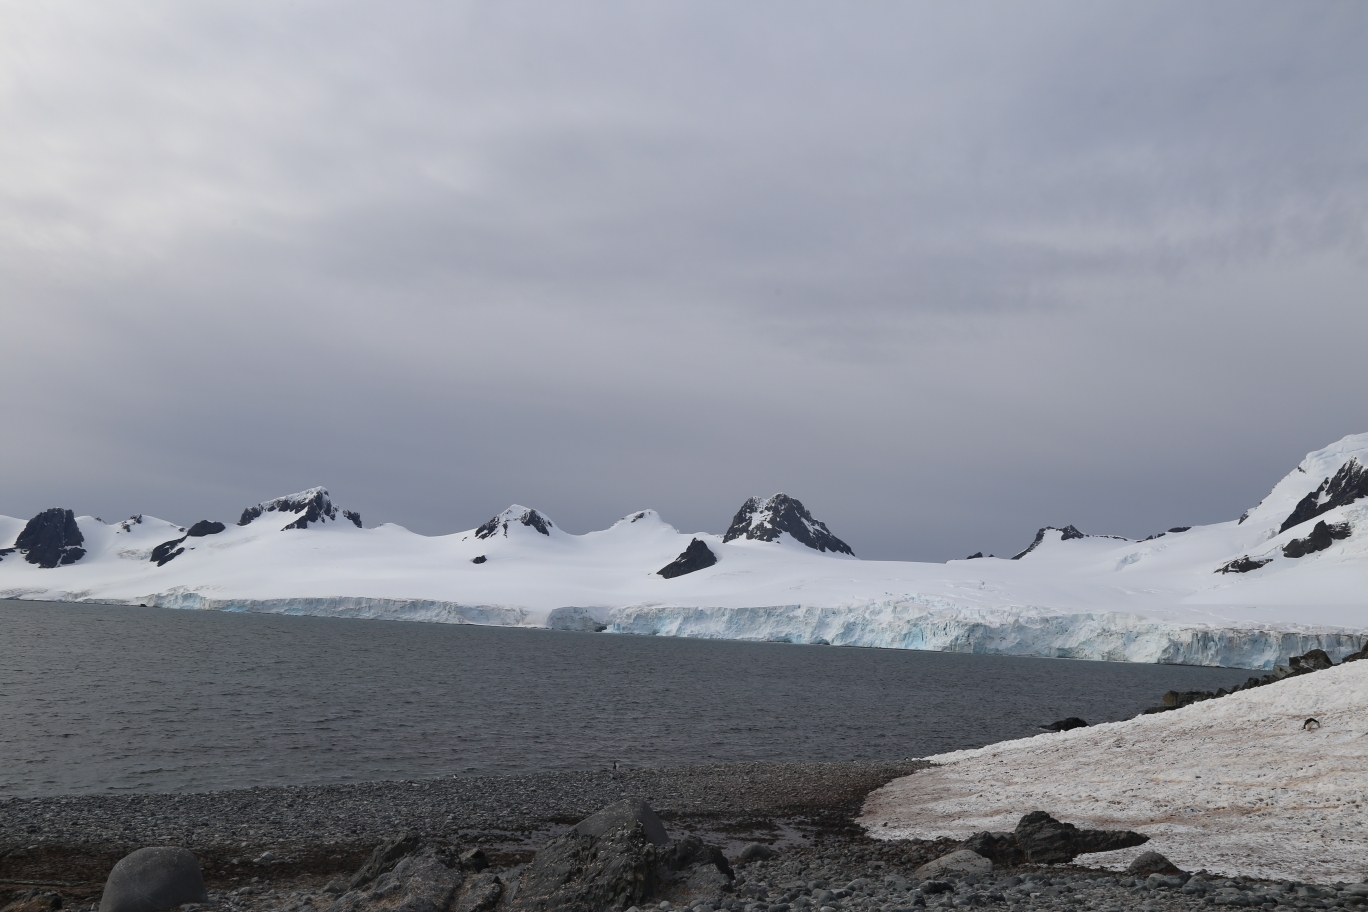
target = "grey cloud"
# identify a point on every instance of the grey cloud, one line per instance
(946, 273)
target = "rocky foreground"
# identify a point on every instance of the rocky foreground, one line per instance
(739, 838)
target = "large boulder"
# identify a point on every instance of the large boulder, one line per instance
(424, 882)
(616, 858)
(999, 848)
(153, 879)
(1044, 840)
(960, 863)
(384, 858)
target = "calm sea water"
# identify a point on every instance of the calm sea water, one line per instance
(107, 699)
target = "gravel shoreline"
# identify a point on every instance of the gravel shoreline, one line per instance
(278, 849)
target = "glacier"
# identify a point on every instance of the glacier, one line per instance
(780, 576)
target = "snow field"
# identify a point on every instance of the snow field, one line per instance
(1233, 785)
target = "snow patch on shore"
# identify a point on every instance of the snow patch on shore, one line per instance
(1235, 785)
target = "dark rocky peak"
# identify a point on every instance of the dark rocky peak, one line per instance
(205, 527)
(1065, 534)
(311, 506)
(516, 515)
(128, 524)
(1346, 486)
(698, 556)
(766, 518)
(51, 539)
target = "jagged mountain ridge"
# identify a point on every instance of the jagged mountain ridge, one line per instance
(1285, 589)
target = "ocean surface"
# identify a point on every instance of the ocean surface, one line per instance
(99, 699)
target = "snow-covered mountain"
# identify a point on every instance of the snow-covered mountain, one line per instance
(1288, 576)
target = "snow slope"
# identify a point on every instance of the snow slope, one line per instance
(1072, 595)
(1234, 785)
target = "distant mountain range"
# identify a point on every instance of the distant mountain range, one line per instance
(1289, 575)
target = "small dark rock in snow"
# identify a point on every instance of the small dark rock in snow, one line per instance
(479, 560)
(167, 551)
(975, 555)
(698, 556)
(50, 539)
(1179, 529)
(1045, 840)
(1064, 725)
(153, 879)
(1244, 564)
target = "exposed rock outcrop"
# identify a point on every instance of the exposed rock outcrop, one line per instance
(1067, 533)
(1322, 536)
(311, 506)
(1346, 486)
(515, 514)
(698, 556)
(620, 856)
(766, 518)
(1244, 564)
(1044, 840)
(51, 539)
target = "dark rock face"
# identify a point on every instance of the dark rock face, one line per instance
(1179, 529)
(1348, 485)
(1044, 840)
(1322, 536)
(616, 859)
(999, 848)
(698, 556)
(975, 556)
(51, 538)
(1064, 725)
(167, 551)
(353, 516)
(1315, 660)
(764, 519)
(530, 518)
(311, 506)
(1244, 564)
(153, 879)
(384, 858)
(1068, 533)
(204, 527)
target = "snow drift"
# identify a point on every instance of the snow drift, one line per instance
(1288, 576)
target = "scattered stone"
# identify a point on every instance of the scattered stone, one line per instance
(1045, 840)
(960, 863)
(1064, 725)
(1152, 863)
(153, 879)
(50, 539)
(698, 556)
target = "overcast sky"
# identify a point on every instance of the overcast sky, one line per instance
(945, 272)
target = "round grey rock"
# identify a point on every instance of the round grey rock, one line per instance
(625, 813)
(956, 864)
(153, 879)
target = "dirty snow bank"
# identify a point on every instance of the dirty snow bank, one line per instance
(1233, 785)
